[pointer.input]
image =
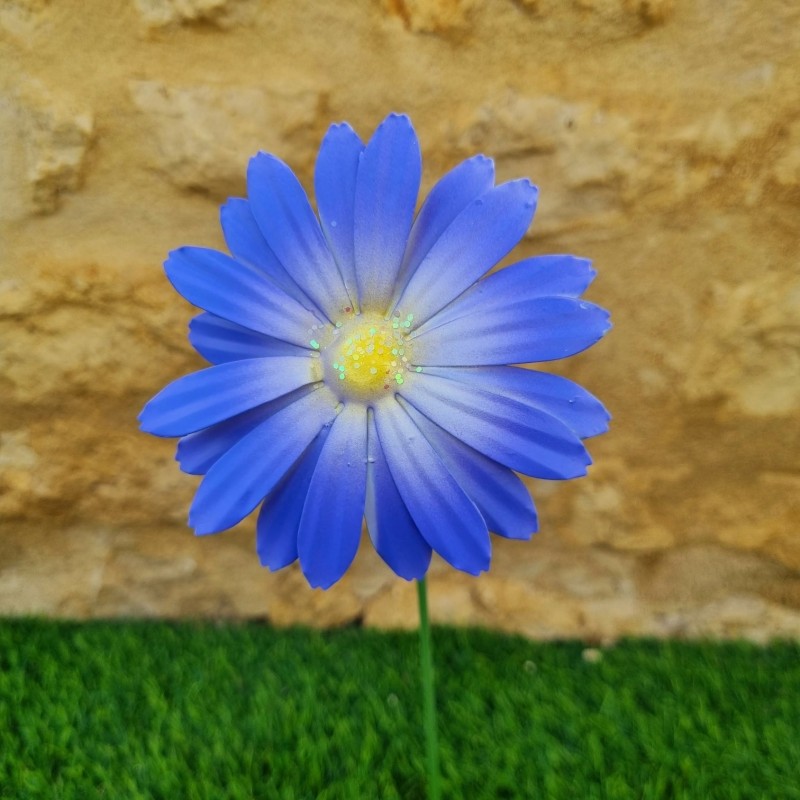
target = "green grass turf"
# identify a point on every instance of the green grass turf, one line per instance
(158, 710)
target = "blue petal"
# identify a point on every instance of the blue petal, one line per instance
(335, 189)
(552, 274)
(513, 332)
(542, 276)
(218, 341)
(386, 196)
(330, 528)
(252, 468)
(204, 398)
(480, 236)
(499, 494)
(199, 451)
(394, 534)
(522, 438)
(279, 518)
(231, 290)
(560, 397)
(285, 217)
(445, 516)
(247, 244)
(448, 198)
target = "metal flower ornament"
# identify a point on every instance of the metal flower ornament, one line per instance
(362, 362)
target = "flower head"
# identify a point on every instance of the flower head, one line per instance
(361, 362)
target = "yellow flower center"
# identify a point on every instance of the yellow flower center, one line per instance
(367, 356)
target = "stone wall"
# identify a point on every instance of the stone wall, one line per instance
(665, 138)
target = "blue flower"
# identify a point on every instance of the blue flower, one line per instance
(360, 362)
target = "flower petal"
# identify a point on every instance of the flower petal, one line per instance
(499, 494)
(537, 329)
(516, 435)
(231, 290)
(330, 528)
(552, 274)
(279, 518)
(218, 341)
(204, 398)
(445, 516)
(448, 198)
(252, 468)
(480, 236)
(559, 397)
(542, 276)
(386, 196)
(285, 217)
(335, 190)
(394, 534)
(198, 452)
(247, 244)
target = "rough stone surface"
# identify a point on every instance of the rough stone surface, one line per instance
(747, 352)
(56, 136)
(432, 16)
(665, 140)
(171, 13)
(201, 136)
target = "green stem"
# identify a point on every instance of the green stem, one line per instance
(428, 695)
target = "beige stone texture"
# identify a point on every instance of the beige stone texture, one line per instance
(664, 136)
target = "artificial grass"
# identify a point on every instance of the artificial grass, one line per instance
(160, 710)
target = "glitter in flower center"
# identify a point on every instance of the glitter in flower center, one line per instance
(368, 356)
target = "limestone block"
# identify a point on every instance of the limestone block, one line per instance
(316, 608)
(550, 595)
(514, 124)
(780, 497)
(20, 18)
(96, 489)
(395, 607)
(607, 508)
(728, 148)
(78, 358)
(18, 473)
(202, 136)
(598, 150)
(720, 134)
(700, 574)
(168, 13)
(40, 478)
(609, 619)
(432, 16)
(16, 298)
(735, 617)
(58, 134)
(170, 572)
(70, 329)
(652, 12)
(14, 204)
(762, 520)
(80, 347)
(786, 170)
(582, 158)
(56, 572)
(626, 16)
(522, 607)
(747, 350)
